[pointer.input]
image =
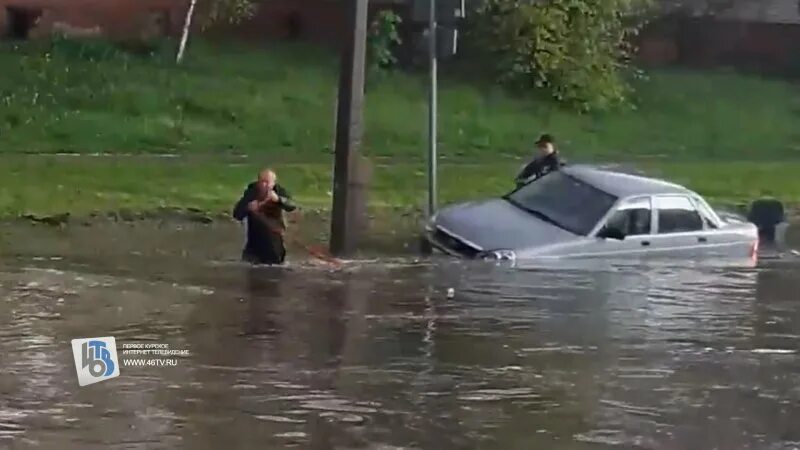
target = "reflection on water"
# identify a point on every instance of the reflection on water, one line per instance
(376, 356)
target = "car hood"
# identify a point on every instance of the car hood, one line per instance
(497, 224)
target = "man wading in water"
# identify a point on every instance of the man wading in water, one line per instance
(263, 203)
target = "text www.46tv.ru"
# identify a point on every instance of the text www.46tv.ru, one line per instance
(150, 362)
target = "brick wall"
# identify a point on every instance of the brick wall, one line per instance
(769, 11)
(768, 47)
(319, 21)
(112, 17)
(703, 42)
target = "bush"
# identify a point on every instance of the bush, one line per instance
(575, 49)
(384, 38)
(95, 49)
(89, 49)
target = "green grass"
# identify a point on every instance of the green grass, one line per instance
(50, 185)
(279, 102)
(731, 137)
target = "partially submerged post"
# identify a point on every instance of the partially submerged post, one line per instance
(432, 108)
(349, 130)
(442, 19)
(432, 12)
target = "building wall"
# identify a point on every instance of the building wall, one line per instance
(320, 21)
(110, 17)
(706, 42)
(765, 11)
(764, 36)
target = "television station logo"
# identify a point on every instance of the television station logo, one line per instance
(95, 359)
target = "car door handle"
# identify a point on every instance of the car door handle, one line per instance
(702, 239)
(645, 243)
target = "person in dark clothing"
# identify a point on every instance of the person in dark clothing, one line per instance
(262, 204)
(547, 161)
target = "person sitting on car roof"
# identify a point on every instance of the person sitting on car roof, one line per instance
(547, 161)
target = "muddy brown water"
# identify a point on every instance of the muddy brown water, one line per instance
(376, 356)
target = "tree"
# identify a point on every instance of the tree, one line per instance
(383, 39)
(212, 12)
(575, 49)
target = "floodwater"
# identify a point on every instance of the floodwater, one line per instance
(376, 356)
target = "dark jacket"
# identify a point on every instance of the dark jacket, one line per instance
(540, 166)
(263, 245)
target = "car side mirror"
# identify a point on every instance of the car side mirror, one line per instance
(611, 233)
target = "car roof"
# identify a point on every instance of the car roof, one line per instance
(622, 185)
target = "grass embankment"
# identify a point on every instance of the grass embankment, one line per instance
(731, 137)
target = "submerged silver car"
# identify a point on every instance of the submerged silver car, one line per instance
(589, 212)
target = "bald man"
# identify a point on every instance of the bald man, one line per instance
(262, 204)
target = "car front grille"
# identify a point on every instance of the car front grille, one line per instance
(454, 244)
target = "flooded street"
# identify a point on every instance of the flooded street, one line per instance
(376, 356)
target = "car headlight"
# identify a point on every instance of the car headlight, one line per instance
(499, 255)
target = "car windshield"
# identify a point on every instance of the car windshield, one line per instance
(564, 201)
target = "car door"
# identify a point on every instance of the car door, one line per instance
(680, 230)
(716, 240)
(634, 217)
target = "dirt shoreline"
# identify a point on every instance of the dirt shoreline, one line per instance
(197, 215)
(382, 218)
(172, 240)
(388, 230)
(184, 215)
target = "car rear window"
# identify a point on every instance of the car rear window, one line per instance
(564, 200)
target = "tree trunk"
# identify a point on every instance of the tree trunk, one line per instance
(187, 25)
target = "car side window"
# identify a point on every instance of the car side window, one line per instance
(706, 213)
(709, 223)
(632, 218)
(677, 214)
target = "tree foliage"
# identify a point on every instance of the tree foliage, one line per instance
(383, 39)
(212, 12)
(229, 12)
(575, 49)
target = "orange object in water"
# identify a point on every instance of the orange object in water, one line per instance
(272, 217)
(319, 252)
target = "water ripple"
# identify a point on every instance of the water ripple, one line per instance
(377, 356)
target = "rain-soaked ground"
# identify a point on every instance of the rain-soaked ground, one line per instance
(376, 356)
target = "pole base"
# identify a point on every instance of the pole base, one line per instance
(425, 247)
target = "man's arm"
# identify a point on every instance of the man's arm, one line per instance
(554, 162)
(285, 199)
(532, 168)
(240, 209)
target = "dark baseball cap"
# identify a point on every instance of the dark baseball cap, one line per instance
(545, 139)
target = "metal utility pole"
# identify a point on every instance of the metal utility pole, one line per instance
(432, 106)
(349, 130)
